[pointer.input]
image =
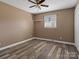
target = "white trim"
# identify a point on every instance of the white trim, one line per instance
(18, 43)
(55, 41)
(15, 44)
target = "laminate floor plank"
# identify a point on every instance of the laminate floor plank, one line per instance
(40, 49)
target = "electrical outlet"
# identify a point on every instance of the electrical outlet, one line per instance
(61, 38)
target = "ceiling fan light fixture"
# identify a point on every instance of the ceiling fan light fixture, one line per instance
(38, 3)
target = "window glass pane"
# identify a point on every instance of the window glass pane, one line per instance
(50, 21)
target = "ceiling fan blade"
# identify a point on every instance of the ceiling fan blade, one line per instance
(31, 1)
(41, 1)
(32, 6)
(45, 5)
(36, 1)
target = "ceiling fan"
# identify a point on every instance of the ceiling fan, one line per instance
(38, 3)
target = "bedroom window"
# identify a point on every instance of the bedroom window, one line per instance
(50, 21)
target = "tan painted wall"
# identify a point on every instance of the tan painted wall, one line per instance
(15, 25)
(78, 1)
(64, 28)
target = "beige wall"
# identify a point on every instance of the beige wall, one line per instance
(78, 1)
(64, 28)
(15, 25)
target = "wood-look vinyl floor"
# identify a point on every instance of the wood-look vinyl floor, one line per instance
(38, 49)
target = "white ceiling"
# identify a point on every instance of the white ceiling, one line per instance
(53, 5)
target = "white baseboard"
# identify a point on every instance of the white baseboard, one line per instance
(21, 42)
(55, 41)
(15, 44)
